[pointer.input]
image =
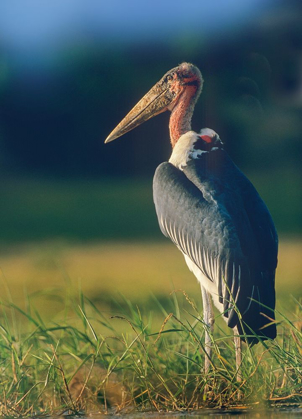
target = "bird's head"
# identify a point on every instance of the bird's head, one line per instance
(163, 96)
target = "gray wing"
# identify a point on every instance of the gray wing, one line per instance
(205, 216)
(203, 230)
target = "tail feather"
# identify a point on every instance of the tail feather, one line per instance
(258, 322)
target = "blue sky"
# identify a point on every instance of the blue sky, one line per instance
(37, 24)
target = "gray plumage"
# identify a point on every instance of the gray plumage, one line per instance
(215, 216)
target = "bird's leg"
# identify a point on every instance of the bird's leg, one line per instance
(208, 318)
(237, 342)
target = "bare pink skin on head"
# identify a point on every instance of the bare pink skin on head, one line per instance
(188, 84)
(206, 138)
(177, 91)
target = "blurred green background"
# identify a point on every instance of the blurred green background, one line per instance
(69, 72)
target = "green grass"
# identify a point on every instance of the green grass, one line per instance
(87, 361)
(105, 270)
(62, 352)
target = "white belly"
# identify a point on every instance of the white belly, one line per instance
(204, 282)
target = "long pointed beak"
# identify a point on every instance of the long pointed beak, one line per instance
(154, 102)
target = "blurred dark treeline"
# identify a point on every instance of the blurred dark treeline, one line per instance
(54, 122)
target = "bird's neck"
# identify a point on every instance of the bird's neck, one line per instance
(181, 114)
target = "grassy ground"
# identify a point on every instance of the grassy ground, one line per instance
(61, 351)
(108, 270)
(71, 366)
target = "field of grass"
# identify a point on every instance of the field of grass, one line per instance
(61, 350)
(105, 271)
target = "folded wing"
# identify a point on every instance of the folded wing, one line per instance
(208, 221)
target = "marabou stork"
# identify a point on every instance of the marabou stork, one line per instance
(212, 213)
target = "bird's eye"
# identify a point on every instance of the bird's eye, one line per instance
(169, 77)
